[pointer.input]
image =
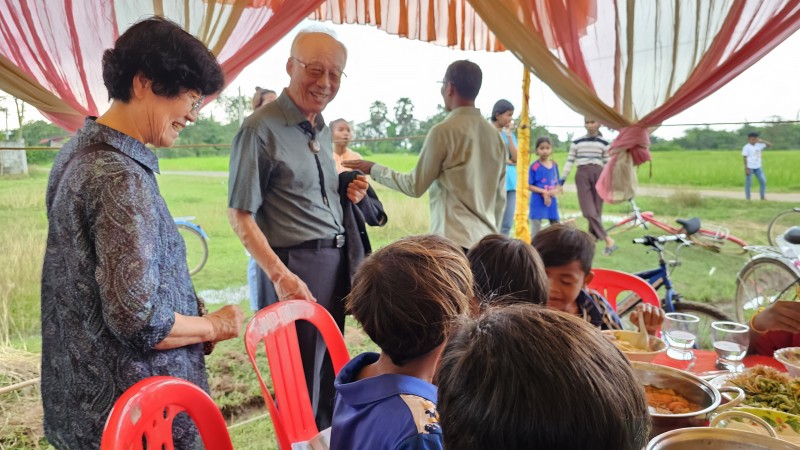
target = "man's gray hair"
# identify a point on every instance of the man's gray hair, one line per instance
(316, 29)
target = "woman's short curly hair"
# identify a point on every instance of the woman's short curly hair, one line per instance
(174, 60)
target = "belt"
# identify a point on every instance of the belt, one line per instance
(337, 241)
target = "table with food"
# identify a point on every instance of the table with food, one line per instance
(693, 404)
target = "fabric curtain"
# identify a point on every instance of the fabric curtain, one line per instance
(50, 52)
(451, 23)
(629, 63)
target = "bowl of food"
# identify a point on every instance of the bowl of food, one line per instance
(626, 342)
(790, 358)
(678, 399)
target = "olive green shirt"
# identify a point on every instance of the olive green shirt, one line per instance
(462, 165)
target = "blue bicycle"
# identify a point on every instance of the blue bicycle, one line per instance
(672, 301)
(196, 243)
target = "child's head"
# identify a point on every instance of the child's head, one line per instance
(752, 137)
(567, 254)
(544, 148)
(507, 269)
(262, 97)
(592, 126)
(342, 133)
(502, 113)
(407, 295)
(523, 376)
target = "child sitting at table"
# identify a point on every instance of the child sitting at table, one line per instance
(567, 253)
(527, 377)
(507, 270)
(406, 296)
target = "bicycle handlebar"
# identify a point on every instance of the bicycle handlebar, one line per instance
(651, 240)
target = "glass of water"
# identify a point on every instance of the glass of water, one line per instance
(680, 332)
(731, 340)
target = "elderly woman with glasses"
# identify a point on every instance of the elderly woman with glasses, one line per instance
(118, 305)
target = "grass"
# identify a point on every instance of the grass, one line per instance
(714, 169)
(22, 215)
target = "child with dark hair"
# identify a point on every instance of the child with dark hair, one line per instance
(507, 270)
(406, 296)
(567, 253)
(543, 183)
(526, 377)
(342, 134)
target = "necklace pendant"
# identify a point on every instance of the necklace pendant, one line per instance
(314, 146)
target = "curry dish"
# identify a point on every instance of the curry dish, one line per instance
(667, 401)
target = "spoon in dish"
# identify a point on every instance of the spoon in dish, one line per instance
(643, 340)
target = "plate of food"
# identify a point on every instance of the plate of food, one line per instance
(771, 395)
(626, 341)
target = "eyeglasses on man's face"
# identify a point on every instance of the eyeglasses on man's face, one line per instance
(316, 70)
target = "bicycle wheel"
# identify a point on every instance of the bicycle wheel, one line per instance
(707, 314)
(760, 282)
(782, 222)
(196, 248)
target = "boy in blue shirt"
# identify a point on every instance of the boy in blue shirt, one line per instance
(567, 253)
(406, 296)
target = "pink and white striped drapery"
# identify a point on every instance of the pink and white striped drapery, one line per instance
(50, 51)
(634, 64)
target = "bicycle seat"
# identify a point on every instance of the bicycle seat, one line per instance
(792, 235)
(691, 226)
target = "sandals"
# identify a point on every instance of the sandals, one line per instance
(609, 250)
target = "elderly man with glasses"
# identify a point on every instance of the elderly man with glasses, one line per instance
(284, 202)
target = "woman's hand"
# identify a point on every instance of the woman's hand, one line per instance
(652, 314)
(226, 322)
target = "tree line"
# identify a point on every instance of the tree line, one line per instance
(401, 131)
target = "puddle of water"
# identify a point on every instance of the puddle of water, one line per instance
(227, 296)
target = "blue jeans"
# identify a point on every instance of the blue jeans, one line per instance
(508, 214)
(762, 183)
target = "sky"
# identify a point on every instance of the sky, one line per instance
(385, 67)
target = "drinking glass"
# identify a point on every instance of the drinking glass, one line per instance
(731, 340)
(680, 332)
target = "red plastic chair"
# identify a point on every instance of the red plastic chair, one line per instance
(294, 419)
(148, 408)
(610, 283)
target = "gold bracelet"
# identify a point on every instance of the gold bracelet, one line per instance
(753, 324)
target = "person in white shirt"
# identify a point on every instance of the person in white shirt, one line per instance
(752, 164)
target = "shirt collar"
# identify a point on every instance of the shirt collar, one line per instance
(293, 115)
(465, 111)
(131, 147)
(373, 389)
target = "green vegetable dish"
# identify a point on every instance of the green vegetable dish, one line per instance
(766, 387)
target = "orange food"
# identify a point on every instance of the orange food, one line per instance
(667, 401)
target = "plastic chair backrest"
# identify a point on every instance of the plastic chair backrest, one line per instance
(610, 283)
(293, 419)
(148, 408)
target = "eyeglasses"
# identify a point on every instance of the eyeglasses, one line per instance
(196, 104)
(315, 70)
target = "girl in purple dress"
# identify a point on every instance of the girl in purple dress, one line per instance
(543, 179)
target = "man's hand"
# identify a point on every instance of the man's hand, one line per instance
(357, 189)
(289, 286)
(226, 322)
(781, 315)
(359, 164)
(653, 317)
(746, 171)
